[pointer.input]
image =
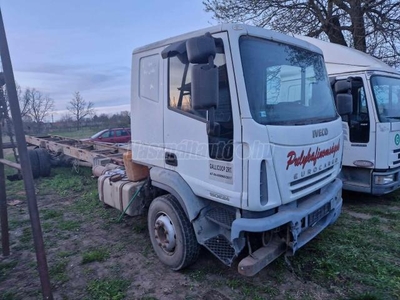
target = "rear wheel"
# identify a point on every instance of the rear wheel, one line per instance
(44, 162)
(34, 159)
(171, 233)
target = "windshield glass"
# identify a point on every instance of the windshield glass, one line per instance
(386, 92)
(285, 84)
(95, 136)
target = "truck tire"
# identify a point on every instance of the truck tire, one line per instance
(34, 159)
(171, 233)
(44, 162)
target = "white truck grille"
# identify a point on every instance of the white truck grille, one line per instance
(305, 182)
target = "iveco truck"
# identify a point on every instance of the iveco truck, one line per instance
(371, 158)
(239, 129)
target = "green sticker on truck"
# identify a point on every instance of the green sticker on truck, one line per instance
(397, 139)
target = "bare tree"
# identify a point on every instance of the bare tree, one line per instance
(38, 105)
(24, 101)
(79, 109)
(371, 26)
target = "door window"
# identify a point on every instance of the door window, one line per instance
(359, 123)
(106, 134)
(221, 146)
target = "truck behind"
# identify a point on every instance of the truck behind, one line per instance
(371, 158)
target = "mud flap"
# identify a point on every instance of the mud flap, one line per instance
(254, 263)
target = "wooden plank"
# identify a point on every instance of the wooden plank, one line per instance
(10, 164)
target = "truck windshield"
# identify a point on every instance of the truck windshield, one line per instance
(386, 92)
(285, 84)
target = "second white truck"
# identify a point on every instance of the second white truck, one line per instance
(371, 158)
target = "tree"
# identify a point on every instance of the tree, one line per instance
(371, 26)
(24, 102)
(79, 109)
(36, 105)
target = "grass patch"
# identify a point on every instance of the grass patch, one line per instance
(57, 271)
(14, 189)
(17, 223)
(354, 254)
(65, 254)
(26, 236)
(63, 183)
(8, 295)
(107, 289)
(6, 267)
(365, 296)
(48, 214)
(69, 225)
(86, 204)
(78, 134)
(95, 255)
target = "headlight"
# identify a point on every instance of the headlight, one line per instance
(384, 179)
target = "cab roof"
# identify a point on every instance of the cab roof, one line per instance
(238, 29)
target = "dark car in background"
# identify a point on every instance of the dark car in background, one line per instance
(112, 135)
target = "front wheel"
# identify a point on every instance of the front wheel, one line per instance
(171, 233)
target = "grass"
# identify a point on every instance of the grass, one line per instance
(82, 133)
(107, 289)
(8, 295)
(356, 259)
(95, 255)
(65, 184)
(57, 271)
(69, 225)
(6, 267)
(47, 214)
(356, 254)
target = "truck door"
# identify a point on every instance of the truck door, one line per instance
(211, 165)
(359, 140)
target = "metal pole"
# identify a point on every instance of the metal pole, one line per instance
(25, 163)
(5, 239)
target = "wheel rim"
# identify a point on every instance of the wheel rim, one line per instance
(165, 234)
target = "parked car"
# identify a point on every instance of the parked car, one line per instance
(112, 135)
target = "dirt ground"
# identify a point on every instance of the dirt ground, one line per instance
(76, 224)
(132, 259)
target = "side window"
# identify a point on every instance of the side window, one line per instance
(106, 134)
(179, 86)
(149, 77)
(124, 133)
(117, 133)
(363, 101)
(220, 147)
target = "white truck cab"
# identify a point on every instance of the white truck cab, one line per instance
(371, 158)
(239, 129)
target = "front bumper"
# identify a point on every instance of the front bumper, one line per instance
(297, 218)
(381, 189)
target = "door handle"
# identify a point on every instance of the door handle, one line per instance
(171, 159)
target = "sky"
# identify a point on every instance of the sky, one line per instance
(61, 47)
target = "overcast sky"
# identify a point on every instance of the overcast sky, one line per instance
(60, 47)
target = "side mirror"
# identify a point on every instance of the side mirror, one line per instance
(344, 104)
(201, 52)
(200, 49)
(343, 97)
(204, 89)
(342, 86)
